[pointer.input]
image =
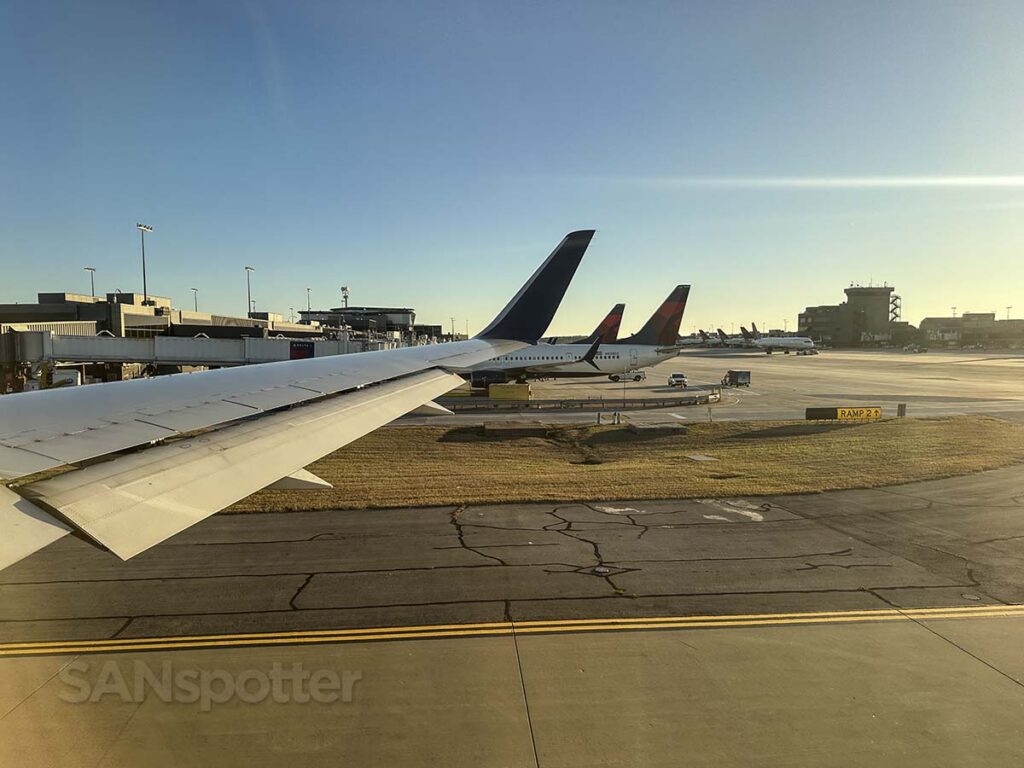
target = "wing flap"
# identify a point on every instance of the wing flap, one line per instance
(99, 440)
(135, 501)
(303, 480)
(195, 417)
(17, 462)
(26, 528)
(276, 397)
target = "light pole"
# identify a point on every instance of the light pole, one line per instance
(954, 310)
(291, 314)
(92, 281)
(1008, 312)
(344, 295)
(248, 291)
(453, 328)
(309, 307)
(195, 298)
(143, 229)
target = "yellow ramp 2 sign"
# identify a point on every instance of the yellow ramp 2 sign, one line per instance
(856, 413)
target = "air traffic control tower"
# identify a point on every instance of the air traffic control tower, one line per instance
(869, 310)
(869, 315)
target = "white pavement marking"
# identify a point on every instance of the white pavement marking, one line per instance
(757, 517)
(736, 506)
(618, 510)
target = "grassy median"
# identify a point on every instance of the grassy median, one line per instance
(424, 466)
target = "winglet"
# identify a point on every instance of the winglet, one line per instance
(591, 354)
(529, 313)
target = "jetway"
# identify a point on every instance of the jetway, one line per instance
(37, 347)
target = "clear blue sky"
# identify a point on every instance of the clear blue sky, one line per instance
(431, 154)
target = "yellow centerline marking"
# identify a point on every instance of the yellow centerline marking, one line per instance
(523, 624)
(491, 629)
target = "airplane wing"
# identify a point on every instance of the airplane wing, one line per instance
(129, 464)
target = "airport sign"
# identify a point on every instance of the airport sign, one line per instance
(855, 413)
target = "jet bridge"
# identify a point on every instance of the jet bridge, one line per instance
(38, 347)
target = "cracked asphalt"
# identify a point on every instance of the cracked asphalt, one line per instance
(940, 543)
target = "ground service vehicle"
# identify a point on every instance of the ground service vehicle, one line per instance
(736, 379)
(634, 375)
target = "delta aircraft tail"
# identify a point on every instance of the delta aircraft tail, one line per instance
(662, 329)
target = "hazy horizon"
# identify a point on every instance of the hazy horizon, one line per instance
(431, 155)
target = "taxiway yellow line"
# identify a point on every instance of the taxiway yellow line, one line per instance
(491, 629)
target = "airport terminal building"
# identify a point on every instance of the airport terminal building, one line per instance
(974, 329)
(125, 335)
(870, 316)
(388, 320)
(131, 315)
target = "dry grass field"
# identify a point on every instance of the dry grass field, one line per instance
(424, 466)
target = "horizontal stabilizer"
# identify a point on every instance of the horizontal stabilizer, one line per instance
(303, 480)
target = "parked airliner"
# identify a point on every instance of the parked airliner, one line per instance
(786, 344)
(655, 342)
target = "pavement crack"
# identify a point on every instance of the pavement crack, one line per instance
(999, 538)
(546, 599)
(122, 628)
(40, 687)
(883, 598)
(598, 556)
(526, 697)
(461, 535)
(298, 592)
(844, 566)
(921, 623)
(800, 556)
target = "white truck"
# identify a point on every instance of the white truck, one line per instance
(634, 375)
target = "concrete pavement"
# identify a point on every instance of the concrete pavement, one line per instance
(866, 673)
(931, 384)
